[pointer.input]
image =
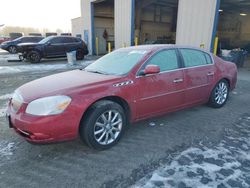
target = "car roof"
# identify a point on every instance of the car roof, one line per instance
(156, 47)
(52, 36)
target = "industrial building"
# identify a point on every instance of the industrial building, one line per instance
(186, 22)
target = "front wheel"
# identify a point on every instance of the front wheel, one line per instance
(103, 125)
(34, 57)
(219, 94)
(12, 49)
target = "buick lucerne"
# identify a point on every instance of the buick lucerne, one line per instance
(123, 87)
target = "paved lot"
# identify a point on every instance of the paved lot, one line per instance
(215, 141)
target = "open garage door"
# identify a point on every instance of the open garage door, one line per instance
(155, 21)
(103, 26)
(234, 30)
(234, 23)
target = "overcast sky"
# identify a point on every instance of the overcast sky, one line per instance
(51, 14)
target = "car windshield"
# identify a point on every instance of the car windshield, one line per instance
(45, 40)
(119, 62)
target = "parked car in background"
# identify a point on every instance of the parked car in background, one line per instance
(11, 46)
(14, 36)
(53, 47)
(4, 39)
(125, 86)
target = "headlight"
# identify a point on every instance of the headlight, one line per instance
(48, 105)
(16, 101)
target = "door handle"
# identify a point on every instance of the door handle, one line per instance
(178, 80)
(210, 73)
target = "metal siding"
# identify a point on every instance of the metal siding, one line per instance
(195, 22)
(86, 10)
(76, 26)
(123, 25)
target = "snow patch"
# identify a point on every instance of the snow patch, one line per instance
(2, 112)
(206, 165)
(6, 149)
(6, 96)
(38, 68)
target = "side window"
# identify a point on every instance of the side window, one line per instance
(166, 60)
(68, 40)
(26, 39)
(57, 40)
(193, 58)
(36, 39)
(208, 58)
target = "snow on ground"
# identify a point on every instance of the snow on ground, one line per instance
(3, 102)
(6, 96)
(3, 111)
(40, 67)
(6, 148)
(226, 164)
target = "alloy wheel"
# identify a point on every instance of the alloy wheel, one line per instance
(108, 127)
(221, 93)
(12, 49)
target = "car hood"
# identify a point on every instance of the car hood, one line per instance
(62, 84)
(6, 43)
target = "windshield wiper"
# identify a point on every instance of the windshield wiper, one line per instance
(98, 72)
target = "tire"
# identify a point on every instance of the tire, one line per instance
(12, 49)
(79, 55)
(34, 57)
(97, 129)
(219, 95)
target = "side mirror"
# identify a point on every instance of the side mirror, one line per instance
(150, 69)
(48, 43)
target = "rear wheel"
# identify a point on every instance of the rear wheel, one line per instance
(79, 55)
(12, 49)
(34, 57)
(219, 95)
(104, 125)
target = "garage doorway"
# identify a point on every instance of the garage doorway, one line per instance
(103, 14)
(155, 21)
(234, 29)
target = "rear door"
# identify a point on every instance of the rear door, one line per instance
(164, 91)
(198, 73)
(71, 44)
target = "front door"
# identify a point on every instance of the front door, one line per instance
(164, 91)
(55, 48)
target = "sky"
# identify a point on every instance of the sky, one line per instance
(51, 14)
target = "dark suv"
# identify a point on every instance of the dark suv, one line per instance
(53, 47)
(11, 46)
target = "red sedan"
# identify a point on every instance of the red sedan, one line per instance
(123, 87)
(4, 39)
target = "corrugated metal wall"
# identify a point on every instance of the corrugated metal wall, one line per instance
(195, 22)
(76, 26)
(86, 11)
(123, 23)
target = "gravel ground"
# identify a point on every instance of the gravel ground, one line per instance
(197, 147)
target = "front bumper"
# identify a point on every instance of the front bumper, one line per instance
(43, 129)
(4, 47)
